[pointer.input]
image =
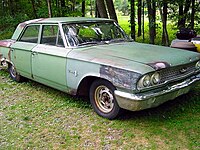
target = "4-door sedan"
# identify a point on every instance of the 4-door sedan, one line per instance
(94, 57)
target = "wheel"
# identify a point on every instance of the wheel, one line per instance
(103, 100)
(13, 73)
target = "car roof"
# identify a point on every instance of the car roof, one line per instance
(65, 20)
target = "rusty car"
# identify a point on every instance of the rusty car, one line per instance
(95, 57)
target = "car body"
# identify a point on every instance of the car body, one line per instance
(94, 57)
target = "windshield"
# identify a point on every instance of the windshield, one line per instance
(93, 33)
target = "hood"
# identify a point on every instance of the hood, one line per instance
(133, 53)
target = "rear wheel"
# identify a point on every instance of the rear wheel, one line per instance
(103, 100)
(14, 74)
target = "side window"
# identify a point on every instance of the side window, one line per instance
(51, 36)
(31, 34)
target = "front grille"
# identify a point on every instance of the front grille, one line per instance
(178, 72)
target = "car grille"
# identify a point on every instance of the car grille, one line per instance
(178, 72)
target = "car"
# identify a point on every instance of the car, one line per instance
(94, 57)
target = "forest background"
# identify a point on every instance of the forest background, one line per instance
(148, 21)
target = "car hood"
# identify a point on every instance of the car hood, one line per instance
(133, 53)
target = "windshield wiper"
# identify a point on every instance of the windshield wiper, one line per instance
(91, 42)
(115, 41)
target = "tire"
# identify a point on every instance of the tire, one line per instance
(14, 74)
(103, 100)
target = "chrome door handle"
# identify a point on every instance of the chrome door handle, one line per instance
(34, 53)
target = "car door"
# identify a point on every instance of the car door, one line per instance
(21, 50)
(49, 58)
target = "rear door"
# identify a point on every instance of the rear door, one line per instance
(21, 53)
(49, 58)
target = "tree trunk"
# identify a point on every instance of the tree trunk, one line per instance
(49, 8)
(83, 8)
(62, 3)
(91, 8)
(183, 13)
(180, 13)
(152, 23)
(34, 9)
(132, 20)
(11, 8)
(111, 9)
(101, 8)
(73, 5)
(139, 18)
(163, 14)
(192, 15)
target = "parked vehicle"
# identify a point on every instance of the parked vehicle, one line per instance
(186, 39)
(94, 57)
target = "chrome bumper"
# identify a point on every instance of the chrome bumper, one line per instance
(150, 99)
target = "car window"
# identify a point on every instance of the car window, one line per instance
(51, 36)
(30, 34)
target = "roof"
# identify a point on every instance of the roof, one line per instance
(65, 20)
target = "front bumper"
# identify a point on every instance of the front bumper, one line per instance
(135, 102)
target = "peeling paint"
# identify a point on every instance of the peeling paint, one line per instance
(120, 77)
(6, 43)
(159, 65)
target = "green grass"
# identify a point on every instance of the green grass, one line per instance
(34, 116)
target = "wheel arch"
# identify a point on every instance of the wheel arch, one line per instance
(86, 82)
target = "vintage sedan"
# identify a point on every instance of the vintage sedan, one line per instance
(94, 57)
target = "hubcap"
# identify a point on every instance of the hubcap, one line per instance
(104, 99)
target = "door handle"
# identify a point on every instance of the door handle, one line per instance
(34, 53)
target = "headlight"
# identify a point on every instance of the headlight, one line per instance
(198, 65)
(155, 78)
(144, 81)
(148, 80)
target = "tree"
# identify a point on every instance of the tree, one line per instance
(34, 9)
(139, 17)
(111, 9)
(102, 11)
(83, 8)
(101, 8)
(163, 13)
(183, 11)
(151, 5)
(132, 21)
(192, 14)
(49, 8)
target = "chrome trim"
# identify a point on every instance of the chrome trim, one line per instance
(150, 99)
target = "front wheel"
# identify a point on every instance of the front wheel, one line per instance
(103, 100)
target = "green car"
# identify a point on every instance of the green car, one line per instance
(95, 58)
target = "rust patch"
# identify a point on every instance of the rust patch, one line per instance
(6, 43)
(9, 54)
(23, 24)
(159, 65)
(72, 91)
(120, 77)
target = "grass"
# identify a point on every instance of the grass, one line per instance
(34, 116)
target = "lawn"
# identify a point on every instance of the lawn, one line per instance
(34, 116)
